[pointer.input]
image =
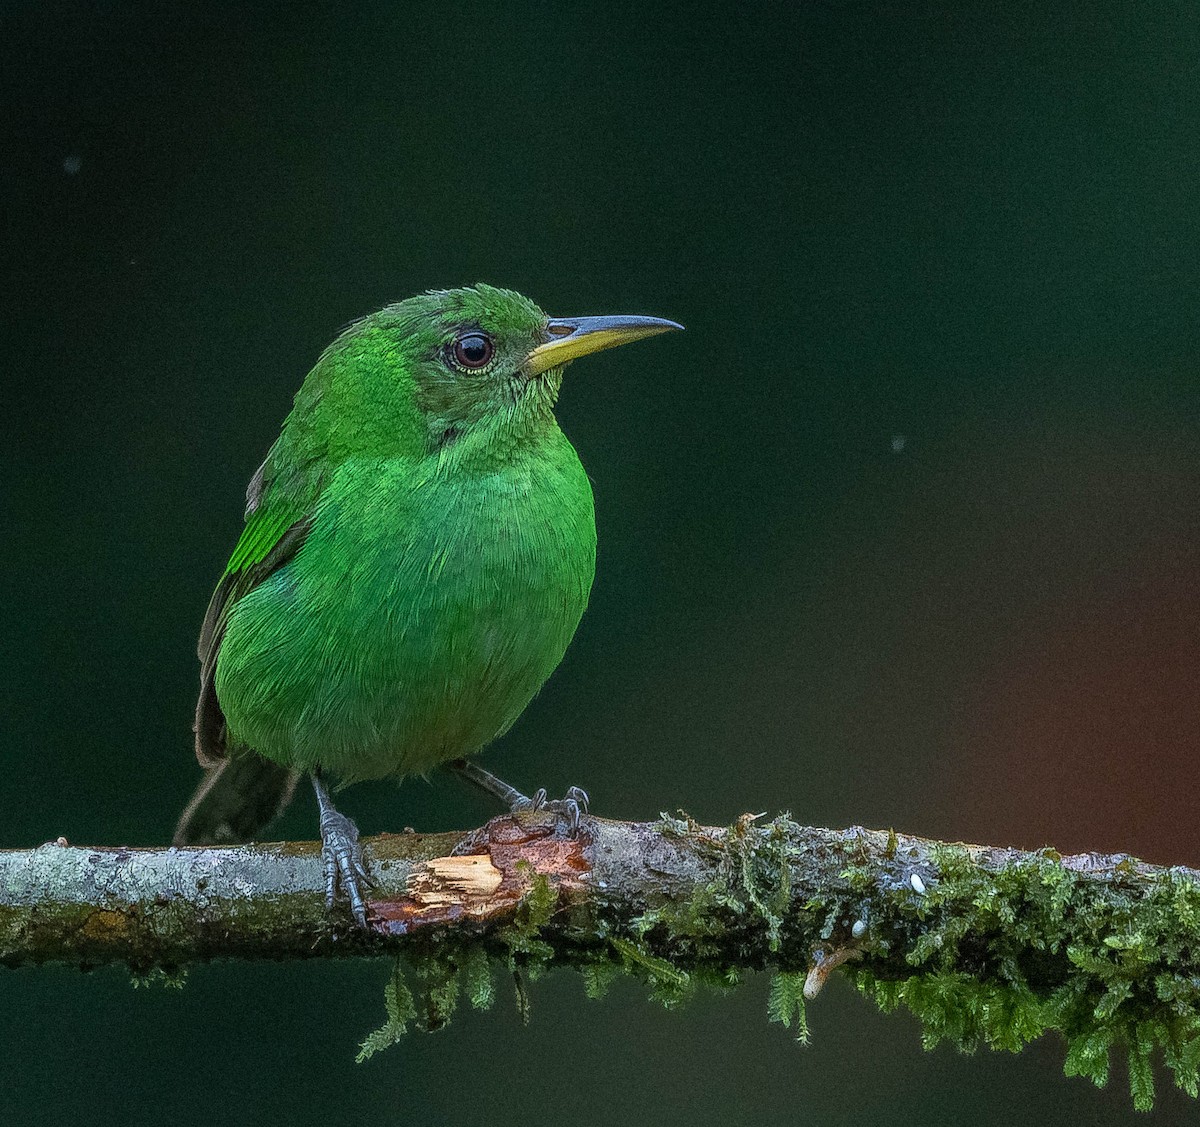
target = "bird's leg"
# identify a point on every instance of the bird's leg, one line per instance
(485, 780)
(571, 806)
(341, 855)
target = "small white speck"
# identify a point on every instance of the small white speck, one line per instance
(72, 164)
(917, 883)
(859, 929)
(899, 441)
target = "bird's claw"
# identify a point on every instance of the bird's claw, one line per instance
(571, 807)
(342, 858)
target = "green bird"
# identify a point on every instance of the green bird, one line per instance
(418, 549)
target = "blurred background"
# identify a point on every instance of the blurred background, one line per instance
(902, 532)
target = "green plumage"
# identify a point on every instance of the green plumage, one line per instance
(418, 550)
(438, 580)
(457, 591)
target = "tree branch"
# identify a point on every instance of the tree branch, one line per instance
(984, 944)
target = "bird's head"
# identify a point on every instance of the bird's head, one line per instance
(475, 362)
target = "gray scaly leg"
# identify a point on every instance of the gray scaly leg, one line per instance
(571, 806)
(341, 855)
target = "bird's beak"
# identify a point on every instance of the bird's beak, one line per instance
(572, 337)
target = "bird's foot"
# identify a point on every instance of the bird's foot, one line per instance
(342, 858)
(571, 807)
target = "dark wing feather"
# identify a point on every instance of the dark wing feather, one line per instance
(277, 522)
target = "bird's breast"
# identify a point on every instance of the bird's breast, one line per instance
(420, 616)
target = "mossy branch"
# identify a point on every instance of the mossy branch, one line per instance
(984, 945)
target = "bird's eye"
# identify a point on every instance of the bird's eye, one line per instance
(473, 351)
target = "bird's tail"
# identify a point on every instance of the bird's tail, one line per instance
(235, 800)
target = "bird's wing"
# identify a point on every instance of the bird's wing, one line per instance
(279, 510)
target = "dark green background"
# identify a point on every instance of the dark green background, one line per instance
(976, 226)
